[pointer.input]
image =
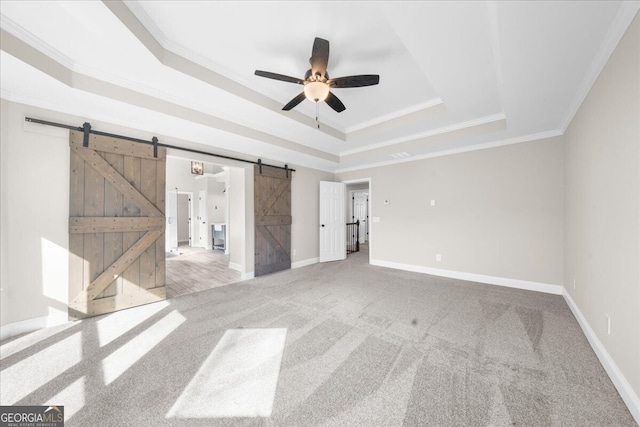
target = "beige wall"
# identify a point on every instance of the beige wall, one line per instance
(35, 218)
(216, 201)
(238, 233)
(602, 223)
(305, 213)
(4, 213)
(498, 212)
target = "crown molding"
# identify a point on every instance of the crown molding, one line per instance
(146, 21)
(392, 116)
(40, 45)
(180, 59)
(476, 147)
(621, 22)
(439, 131)
(495, 45)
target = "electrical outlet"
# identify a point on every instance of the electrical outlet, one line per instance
(574, 284)
(293, 252)
(608, 324)
(438, 257)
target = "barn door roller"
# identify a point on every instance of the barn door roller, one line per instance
(86, 128)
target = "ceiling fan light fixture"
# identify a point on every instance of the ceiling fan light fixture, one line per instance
(316, 91)
(317, 83)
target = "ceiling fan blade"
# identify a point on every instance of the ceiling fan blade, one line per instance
(295, 101)
(319, 57)
(280, 77)
(355, 81)
(335, 103)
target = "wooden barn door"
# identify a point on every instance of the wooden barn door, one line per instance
(272, 207)
(116, 225)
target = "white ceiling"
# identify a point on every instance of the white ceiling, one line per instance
(454, 76)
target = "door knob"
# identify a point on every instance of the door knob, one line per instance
(322, 225)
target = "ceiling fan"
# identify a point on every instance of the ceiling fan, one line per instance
(317, 83)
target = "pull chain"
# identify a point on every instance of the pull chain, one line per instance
(318, 114)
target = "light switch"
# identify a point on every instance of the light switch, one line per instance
(376, 219)
(433, 203)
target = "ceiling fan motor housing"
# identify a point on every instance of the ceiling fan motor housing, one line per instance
(309, 77)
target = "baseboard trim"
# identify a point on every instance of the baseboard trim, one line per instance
(490, 280)
(629, 397)
(627, 393)
(305, 262)
(29, 325)
(243, 275)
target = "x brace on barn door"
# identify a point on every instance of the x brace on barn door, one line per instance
(116, 224)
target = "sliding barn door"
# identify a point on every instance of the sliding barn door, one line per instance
(116, 225)
(272, 208)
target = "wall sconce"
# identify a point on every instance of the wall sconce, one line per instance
(197, 168)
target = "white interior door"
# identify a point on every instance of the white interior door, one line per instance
(360, 205)
(333, 245)
(203, 232)
(184, 234)
(171, 231)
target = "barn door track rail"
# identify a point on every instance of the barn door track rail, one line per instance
(86, 129)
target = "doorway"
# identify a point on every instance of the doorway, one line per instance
(358, 208)
(359, 212)
(338, 211)
(200, 202)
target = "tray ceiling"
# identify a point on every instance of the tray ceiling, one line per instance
(454, 76)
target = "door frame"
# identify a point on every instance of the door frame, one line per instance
(333, 234)
(190, 213)
(370, 207)
(352, 194)
(203, 221)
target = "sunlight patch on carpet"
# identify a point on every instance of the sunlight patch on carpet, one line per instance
(238, 379)
(118, 362)
(19, 380)
(116, 324)
(24, 342)
(73, 398)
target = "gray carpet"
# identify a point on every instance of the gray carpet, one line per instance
(365, 346)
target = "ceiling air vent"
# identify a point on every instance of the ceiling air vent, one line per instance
(400, 155)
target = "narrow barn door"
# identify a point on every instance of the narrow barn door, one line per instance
(272, 207)
(116, 225)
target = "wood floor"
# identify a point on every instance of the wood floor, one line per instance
(198, 269)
